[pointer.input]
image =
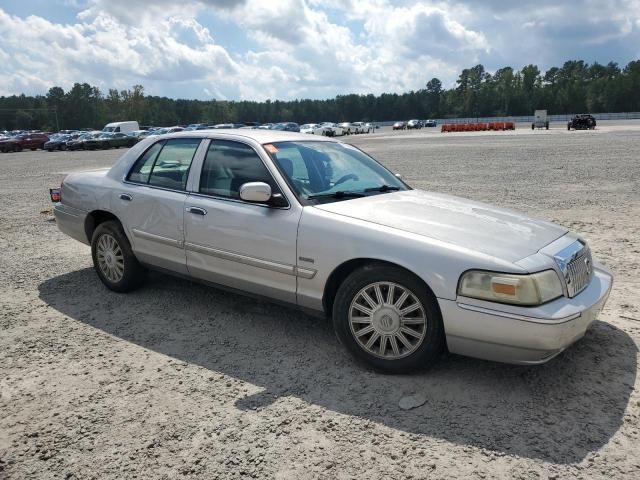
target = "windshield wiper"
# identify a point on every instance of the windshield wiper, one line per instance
(382, 188)
(338, 194)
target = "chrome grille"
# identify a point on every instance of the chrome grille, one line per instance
(579, 272)
(576, 266)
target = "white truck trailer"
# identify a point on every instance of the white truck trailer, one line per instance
(540, 120)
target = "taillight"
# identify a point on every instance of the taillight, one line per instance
(56, 193)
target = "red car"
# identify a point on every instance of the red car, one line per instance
(25, 140)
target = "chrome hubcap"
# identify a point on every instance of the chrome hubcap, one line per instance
(387, 320)
(110, 258)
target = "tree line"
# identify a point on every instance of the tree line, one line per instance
(576, 87)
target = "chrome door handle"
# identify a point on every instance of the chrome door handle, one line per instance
(197, 210)
(126, 196)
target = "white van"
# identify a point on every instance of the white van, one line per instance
(121, 127)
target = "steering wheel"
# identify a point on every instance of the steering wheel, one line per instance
(350, 176)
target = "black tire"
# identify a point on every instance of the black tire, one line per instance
(533, 126)
(133, 275)
(433, 342)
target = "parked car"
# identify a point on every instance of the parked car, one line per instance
(414, 125)
(197, 126)
(32, 141)
(333, 129)
(165, 130)
(582, 122)
(313, 129)
(430, 123)
(138, 133)
(57, 141)
(400, 126)
(347, 128)
(109, 140)
(79, 143)
(286, 127)
(223, 125)
(360, 127)
(371, 127)
(254, 211)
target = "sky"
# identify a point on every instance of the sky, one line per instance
(287, 49)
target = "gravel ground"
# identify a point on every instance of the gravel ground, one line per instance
(181, 380)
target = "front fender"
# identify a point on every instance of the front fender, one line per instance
(327, 240)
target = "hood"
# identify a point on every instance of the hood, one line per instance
(477, 226)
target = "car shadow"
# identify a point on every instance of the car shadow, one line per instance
(558, 412)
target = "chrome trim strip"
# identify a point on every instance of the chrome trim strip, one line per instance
(514, 316)
(164, 189)
(242, 202)
(307, 273)
(237, 257)
(284, 268)
(157, 238)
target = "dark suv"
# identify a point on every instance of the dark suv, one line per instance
(22, 141)
(582, 122)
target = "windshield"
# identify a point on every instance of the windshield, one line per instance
(317, 171)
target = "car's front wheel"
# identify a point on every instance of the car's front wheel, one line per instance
(388, 318)
(113, 259)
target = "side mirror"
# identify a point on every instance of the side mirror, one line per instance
(255, 192)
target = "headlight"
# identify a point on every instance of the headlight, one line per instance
(534, 289)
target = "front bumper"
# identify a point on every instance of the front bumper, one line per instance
(523, 335)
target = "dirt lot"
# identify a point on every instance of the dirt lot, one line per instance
(180, 380)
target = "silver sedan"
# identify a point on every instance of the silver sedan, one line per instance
(403, 273)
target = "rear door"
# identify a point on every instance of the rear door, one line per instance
(244, 245)
(151, 202)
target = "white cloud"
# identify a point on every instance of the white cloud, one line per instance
(302, 48)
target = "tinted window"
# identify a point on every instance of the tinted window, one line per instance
(228, 166)
(142, 168)
(165, 164)
(171, 167)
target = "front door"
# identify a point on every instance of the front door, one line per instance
(243, 245)
(151, 203)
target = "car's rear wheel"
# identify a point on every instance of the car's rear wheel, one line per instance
(113, 259)
(388, 318)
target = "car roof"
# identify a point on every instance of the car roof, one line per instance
(258, 135)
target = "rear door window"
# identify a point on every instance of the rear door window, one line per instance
(166, 164)
(142, 169)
